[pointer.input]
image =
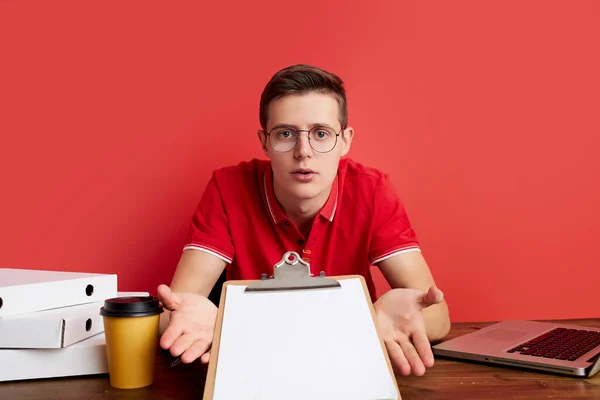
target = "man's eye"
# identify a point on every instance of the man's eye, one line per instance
(285, 134)
(322, 134)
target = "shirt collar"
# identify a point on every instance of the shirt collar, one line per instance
(277, 214)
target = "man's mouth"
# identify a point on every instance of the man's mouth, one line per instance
(303, 171)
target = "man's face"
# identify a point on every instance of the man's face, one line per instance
(302, 172)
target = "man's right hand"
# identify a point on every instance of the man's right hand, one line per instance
(191, 325)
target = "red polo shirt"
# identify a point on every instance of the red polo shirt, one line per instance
(240, 221)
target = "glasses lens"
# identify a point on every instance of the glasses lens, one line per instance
(282, 139)
(322, 139)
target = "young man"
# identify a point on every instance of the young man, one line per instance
(339, 215)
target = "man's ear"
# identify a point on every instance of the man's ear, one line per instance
(346, 140)
(262, 136)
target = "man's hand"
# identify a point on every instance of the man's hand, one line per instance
(400, 322)
(191, 325)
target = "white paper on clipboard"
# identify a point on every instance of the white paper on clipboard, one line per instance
(301, 344)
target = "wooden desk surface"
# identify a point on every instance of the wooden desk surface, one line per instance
(446, 380)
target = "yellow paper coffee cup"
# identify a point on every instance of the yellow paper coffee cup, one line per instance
(131, 331)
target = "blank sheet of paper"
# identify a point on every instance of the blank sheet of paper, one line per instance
(309, 344)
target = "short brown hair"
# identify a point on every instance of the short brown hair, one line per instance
(302, 79)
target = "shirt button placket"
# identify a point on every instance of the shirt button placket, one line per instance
(306, 255)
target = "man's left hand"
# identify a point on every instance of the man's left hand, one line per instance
(400, 323)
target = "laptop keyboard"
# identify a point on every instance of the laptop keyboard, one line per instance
(560, 343)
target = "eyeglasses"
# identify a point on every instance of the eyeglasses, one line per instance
(322, 139)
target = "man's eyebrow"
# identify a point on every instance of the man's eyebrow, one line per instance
(285, 126)
(297, 128)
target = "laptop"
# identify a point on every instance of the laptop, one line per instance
(550, 347)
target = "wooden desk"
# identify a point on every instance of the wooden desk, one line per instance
(446, 380)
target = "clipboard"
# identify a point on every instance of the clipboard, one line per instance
(290, 274)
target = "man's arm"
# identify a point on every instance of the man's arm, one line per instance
(410, 270)
(197, 272)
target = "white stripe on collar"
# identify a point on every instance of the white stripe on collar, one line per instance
(267, 197)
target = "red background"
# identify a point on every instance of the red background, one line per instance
(114, 114)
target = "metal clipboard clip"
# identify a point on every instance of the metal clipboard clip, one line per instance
(292, 273)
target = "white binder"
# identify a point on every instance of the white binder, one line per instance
(87, 357)
(56, 328)
(24, 291)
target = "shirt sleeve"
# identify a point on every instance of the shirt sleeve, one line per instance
(392, 232)
(209, 228)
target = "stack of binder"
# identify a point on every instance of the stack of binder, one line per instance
(50, 324)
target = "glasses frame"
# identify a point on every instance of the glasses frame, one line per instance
(297, 134)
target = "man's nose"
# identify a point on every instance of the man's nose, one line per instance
(302, 148)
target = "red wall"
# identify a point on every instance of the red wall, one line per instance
(114, 114)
